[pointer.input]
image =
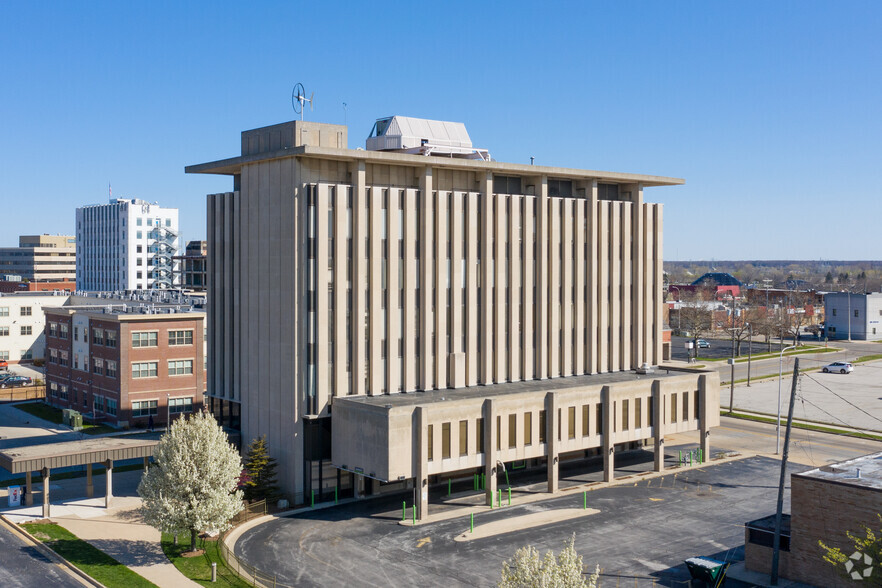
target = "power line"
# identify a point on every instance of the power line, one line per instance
(843, 399)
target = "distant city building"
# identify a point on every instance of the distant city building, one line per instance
(128, 244)
(22, 322)
(854, 316)
(391, 318)
(40, 258)
(193, 266)
(8, 286)
(123, 364)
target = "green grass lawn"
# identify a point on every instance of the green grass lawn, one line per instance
(54, 415)
(868, 358)
(198, 568)
(800, 425)
(89, 559)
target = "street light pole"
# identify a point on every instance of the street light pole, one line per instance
(167, 411)
(778, 425)
(749, 350)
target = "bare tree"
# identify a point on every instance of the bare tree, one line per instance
(696, 313)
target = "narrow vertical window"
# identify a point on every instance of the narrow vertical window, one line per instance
(599, 413)
(696, 412)
(638, 413)
(674, 408)
(480, 436)
(445, 441)
(542, 426)
(625, 416)
(512, 430)
(685, 406)
(528, 429)
(498, 433)
(463, 438)
(586, 419)
(430, 441)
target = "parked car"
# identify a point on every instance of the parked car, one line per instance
(15, 381)
(702, 344)
(4, 365)
(839, 367)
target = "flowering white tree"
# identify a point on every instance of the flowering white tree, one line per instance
(192, 483)
(527, 570)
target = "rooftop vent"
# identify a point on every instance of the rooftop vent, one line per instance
(420, 136)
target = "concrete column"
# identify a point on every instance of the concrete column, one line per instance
(421, 457)
(341, 385)
(90, 488)
(566, 302)
(514, 288)
(394, 327)
(615, 283)
(591, 320)
(540, 360)
(441, 277)
(656, 290)
(554, 282)
(45, 493)
(376, 377)
(108, 495)
(486, 253)
(456, 377)
(704, 416)
(552, 443)
(603, 295)
(609, 462)
(411, 328)
(426, 238)
(579, 277)
(658, 426)
(322, 302)
(472, 318)
(489, 451)
(29, 495)
(359, 276)
(627, 328)
(529, 218)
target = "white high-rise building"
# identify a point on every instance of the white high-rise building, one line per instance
(128, 244)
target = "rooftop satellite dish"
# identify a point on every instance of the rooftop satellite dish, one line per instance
(298, 98)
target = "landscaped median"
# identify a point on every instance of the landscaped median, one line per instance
(54, 415)
(198, 568)
(90, 560)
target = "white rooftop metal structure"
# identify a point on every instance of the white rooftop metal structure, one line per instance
(404, 134)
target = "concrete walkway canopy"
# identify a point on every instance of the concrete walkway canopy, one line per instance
(43, 458)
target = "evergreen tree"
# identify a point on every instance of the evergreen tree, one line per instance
(260, 469)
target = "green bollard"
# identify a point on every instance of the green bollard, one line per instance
(312, 499)
(473, 523)
(449, 485)
(509, 495)
(475, 482)
(681, 457)
(414, 514)
(700, 455)
(499, 497)
(403, 510)
(335, 495)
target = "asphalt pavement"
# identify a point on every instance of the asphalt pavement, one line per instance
(25, 567)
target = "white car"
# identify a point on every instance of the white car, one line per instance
(839, 367)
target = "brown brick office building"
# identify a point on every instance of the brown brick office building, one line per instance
(121, 365)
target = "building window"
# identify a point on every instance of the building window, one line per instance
(145, 339)
(179, 405)
(695, 404)
(599, 414)
(4, 355)
(586, 419)
(445, 441)
(4, 311)
(638, 413)
(180, 337)
(463, 438)
(528, 429)
(4, 331)
(53, 389)
(498, 432)
(145, 369)
(110, 338)
(53, 356)
(181, 367)
(571, 422)
(834, 312)
(625, 414)
(53, 329)
(144, 408)
(542, 426)
(76, 333)
(97, 337)
(480, 436)
(62, 391)
(512, 430)
(685, 406)
(97, 366)
(651, 406)
(63, 361)
(25, 311)
(673, 408)
(856, 313)
(111, 407)
(63, 331)
(27, 330)
(430, 439)
(110, 372)
(98, 403)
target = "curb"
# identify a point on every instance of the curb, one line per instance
(84, 578)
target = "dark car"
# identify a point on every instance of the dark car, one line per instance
(702, 344)
(14, 381)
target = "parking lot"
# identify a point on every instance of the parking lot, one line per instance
(853, 400)
(642, 533)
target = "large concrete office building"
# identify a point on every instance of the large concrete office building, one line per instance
(40, 258)
(393, 316)
(127, 244)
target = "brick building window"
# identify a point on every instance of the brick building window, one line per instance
(180, 337)
(144, 408)
(110, 339)
(145, 369)
(180, 367)
(179, 405)
(145, 339)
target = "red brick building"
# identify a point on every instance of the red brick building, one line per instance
(121, 365)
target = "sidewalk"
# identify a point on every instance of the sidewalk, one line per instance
(118, 531)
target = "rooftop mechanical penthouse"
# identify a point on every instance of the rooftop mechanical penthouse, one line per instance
(393, 316)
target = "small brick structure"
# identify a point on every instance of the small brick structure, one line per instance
(825, 503)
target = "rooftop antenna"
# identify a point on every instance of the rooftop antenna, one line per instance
(298, 98)
(344, 113)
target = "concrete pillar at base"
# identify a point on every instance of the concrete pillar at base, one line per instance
(421, 455)
(45, 493)
(358, 486)
(658, 427)
(609, 461)
(704, 417)
(490, 433)
(29, 491)
(375, 487)
(146, 463)
(551, 441)
(108, 496)
(90, 489)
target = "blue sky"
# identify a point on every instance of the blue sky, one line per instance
(769, 110)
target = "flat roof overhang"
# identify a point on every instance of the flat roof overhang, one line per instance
(73, 453)
(233, 165)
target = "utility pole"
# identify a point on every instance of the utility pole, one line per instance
(732, 361)
(776, 544)
(749, 350)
